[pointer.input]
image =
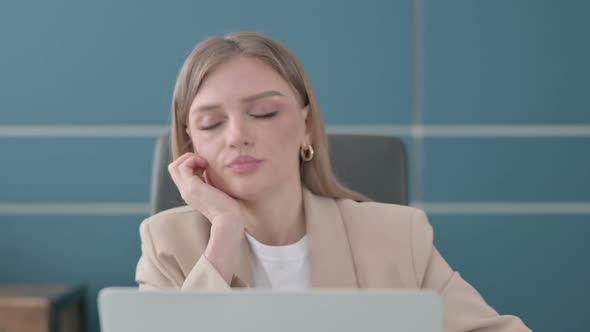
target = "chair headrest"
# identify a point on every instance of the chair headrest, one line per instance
(373, 165)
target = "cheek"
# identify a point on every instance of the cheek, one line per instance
(207, 149)
(288, 140)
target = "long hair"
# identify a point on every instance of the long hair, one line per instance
(316, 174)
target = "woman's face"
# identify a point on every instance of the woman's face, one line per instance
(245, 108)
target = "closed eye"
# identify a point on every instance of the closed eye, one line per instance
(261, 116)
(265, 116)
(210, 127)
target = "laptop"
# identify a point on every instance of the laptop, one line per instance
(247, 310)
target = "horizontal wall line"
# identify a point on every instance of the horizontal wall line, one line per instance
(466, 131)
(392, 130)
(417, 131)
(83, 131)
(492, 208)
(481, 208)
(507, 131)
(92, 209)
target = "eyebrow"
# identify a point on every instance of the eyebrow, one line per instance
(265, 94)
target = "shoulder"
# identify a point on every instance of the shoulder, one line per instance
(389, 242)
(385, 225)
(378, 215)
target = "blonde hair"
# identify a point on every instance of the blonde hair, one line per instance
(317, 174)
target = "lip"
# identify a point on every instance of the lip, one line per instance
(244, 164)
(243, 159)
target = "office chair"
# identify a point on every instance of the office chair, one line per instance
(372, 165)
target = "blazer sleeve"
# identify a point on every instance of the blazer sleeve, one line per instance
(463, 307)
(158, 269)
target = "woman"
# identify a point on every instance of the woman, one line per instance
(264, 209)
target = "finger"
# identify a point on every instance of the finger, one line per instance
(190, 165)
(174, 164)
(173, 168)
(204, 173)
(174, 175)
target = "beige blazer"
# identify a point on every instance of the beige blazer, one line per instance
(351, 245)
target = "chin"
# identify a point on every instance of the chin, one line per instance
(244, 191)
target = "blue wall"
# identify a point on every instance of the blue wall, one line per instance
(408, 63)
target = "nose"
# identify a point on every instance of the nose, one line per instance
(238, 134)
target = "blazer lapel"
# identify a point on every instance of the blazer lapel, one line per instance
(330, 256)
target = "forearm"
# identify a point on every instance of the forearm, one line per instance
(223, 248)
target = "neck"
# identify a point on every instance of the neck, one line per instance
(279, 218)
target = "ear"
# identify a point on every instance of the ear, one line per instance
(190, 140)
(306, 113)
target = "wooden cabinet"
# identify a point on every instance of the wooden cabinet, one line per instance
(41, 308)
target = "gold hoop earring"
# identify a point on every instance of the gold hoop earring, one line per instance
(307, 153)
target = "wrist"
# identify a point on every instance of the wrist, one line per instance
(223, 249)
(227, 229)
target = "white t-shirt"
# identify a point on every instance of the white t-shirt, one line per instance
(280, 267)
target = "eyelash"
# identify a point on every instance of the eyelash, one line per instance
(263, 116)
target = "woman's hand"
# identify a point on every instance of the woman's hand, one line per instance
(196, 192)
(225, 213)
